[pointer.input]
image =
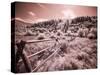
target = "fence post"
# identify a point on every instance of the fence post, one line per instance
(21, 53)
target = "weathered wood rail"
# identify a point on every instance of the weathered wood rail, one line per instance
(36, 53)
(36, 41)
(21, 54)
(56, 50)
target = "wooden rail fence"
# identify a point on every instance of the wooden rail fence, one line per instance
(22, 54)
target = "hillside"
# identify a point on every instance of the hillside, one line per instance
(72, 45)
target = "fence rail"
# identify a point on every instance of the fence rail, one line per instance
(21, 53)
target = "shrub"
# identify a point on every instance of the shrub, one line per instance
(59, 33)
(83, 32)
(41, 37)
(91, 36)
(28, 34)
(94, 31)
(80, 33)
(64, 47)
(74, 65)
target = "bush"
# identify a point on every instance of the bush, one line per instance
(91, 36)
(94, 31)
(52, 37)
(83, 32)
(63, 48)
(80, 33)
(59, 33)
(28, 34)
(41, 37)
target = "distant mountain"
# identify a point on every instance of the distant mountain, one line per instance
(20, 22)
(20, 26)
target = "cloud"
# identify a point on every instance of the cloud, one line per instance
(69, 14)
(29, 20)
(40, 20)
(32, 14)
(23, 20)
(20, 19)
(41, 5)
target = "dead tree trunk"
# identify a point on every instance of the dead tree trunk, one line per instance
(66, 26)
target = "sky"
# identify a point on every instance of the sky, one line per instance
(35, 12)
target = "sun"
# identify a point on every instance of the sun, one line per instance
(69, 14)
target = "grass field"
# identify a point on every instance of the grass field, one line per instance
(71, 50)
